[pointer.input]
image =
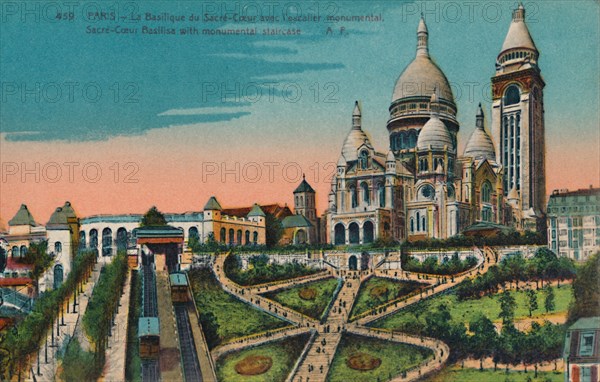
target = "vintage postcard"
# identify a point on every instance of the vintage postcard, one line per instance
(300, 191)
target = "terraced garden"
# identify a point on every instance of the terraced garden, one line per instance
(233, 317)
(365, 359)
(377, 291)
(311, 299)
(264, 363)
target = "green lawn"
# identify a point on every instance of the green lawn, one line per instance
(456, 374)
(283, 353)
(395, 358)
(314, 308)
(234, 317)
(377, 291)
(464, 311)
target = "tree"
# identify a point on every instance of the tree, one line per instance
(507, 308)
(586, 289)
(549, 304)
(153, 218)
(484, 338)
(532, 302)
(274, 230)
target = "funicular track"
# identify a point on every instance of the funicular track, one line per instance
(189, 357)
(150, 367)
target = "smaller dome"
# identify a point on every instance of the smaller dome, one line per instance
(342, 161)
(356, 137)
(480, 145)
(434, 134)
(512, 194)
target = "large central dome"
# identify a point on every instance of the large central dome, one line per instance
(421, 78)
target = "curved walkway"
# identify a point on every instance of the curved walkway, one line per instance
(314, 366)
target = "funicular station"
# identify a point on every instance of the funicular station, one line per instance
(166, 299)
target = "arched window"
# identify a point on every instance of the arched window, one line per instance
(247, 241)
(222, 236)
(121, 239)
(364, 188)
(393, 142)
(239, 237)
(512, 95)
(15, 252)
(58, 275)
(23, 251)
(418, 221)
(193, 234)
(231, 238)
(364, 159)
(486, 192)
(353, 196)
(107, 242)
(423, 223)
(381, 191)
(255, 237)
(412, 139)
(82, 242)
(93, 238)
(412, 224)
(339, 234)
(58, 247)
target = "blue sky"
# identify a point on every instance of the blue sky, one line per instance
(165, 72)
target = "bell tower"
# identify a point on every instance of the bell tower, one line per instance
(518, 122)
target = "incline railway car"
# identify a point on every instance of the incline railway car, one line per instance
(179, 287)
(149, 336)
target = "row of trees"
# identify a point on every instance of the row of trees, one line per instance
(260, 271)
(511, 237)
(431, 265)
(542, 343)
(102, 307)
(542, 267)
(29, 334)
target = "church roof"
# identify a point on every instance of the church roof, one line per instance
(518, 34)
(212, 204)
(297, 220)
(68, 210)
(256, 211)
(58, 217)
(304, 187)
(480, 145)
(422, 75)
(276, 210)
(22, 217)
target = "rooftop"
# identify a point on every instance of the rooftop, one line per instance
(178, 279)
(586, 323)
(148, 326)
